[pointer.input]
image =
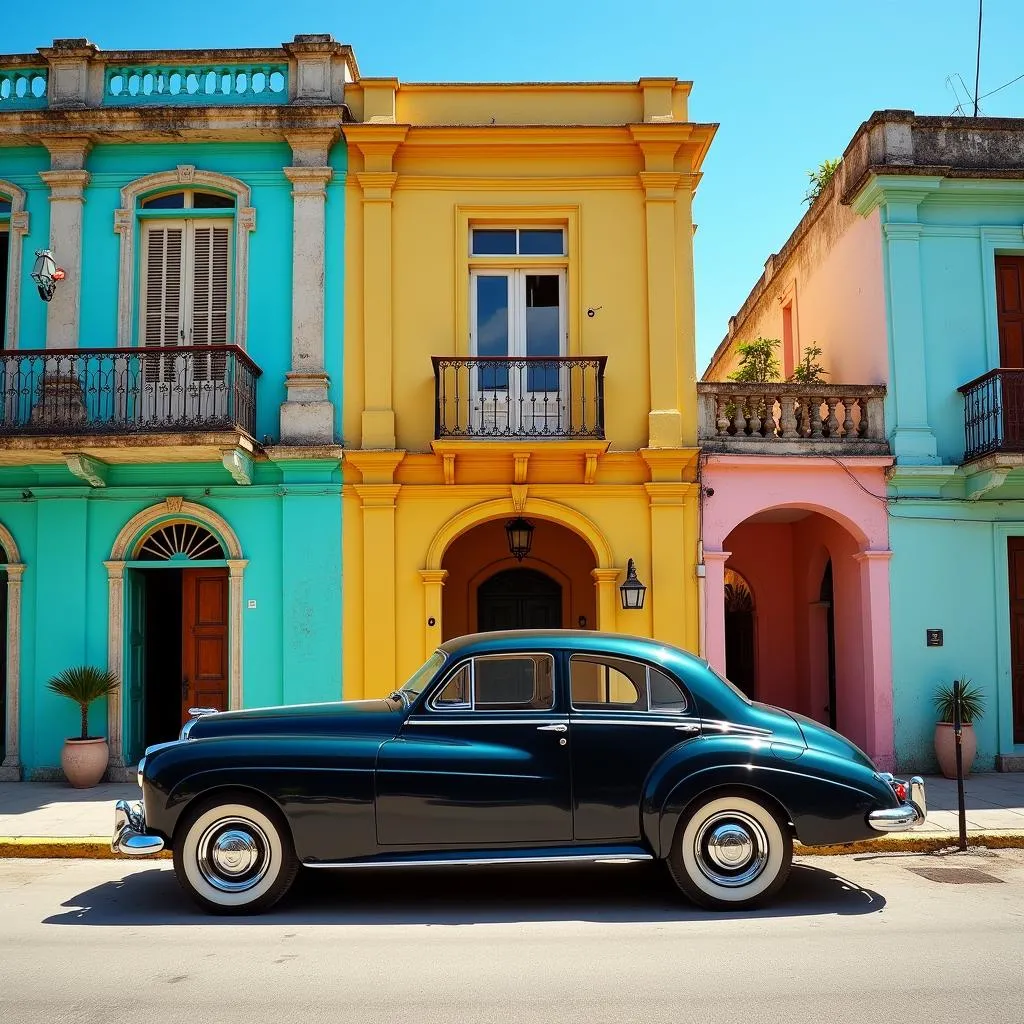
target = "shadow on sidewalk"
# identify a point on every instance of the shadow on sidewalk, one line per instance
(613, 895)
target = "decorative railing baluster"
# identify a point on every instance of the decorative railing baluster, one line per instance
(194, 84)
(994, 413)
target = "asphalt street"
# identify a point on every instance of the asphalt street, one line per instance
(850, 939)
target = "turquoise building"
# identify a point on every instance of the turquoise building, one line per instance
(950, 199)
(170, 453)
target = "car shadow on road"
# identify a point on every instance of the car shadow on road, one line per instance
(599, 893)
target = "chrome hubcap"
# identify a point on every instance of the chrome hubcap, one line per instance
(731, 849)
(233, 854)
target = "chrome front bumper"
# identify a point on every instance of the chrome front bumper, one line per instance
(909, 814)
(130, 836)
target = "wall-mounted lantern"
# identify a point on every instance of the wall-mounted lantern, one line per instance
(632, 591)
(520, 537)
(46, 274)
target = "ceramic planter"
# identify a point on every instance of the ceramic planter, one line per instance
(84, 761)
(945, 748)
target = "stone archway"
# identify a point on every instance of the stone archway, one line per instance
(10, 770)
(125, 548)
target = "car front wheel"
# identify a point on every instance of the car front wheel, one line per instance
(731, 852)
(234, 857)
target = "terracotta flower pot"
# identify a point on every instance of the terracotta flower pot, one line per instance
(84, 761)
(945, 748)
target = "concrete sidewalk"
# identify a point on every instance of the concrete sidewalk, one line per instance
(52, 819)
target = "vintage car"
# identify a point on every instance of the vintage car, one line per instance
(519, 747)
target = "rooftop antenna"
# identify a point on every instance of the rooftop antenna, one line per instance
(977, 66)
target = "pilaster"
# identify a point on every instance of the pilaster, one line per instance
(236, 581)
(380, 630)
(115, 665)
(606, 582)
(67, 181)
(877, 647)
(671, 587)
(433, 582)
(10, 770)
(307, 415)
(714, 608)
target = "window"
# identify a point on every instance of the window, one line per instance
(188, 201)
(618, 684)
(522, 682)
(518, 242)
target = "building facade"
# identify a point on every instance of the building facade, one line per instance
(170, 420)
(519, 357)
(908, 273)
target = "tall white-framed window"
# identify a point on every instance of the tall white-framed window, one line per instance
(518, 329)
(185, 303)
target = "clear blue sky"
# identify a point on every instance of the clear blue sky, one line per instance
(789, 82)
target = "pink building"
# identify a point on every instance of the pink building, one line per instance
(794, 525)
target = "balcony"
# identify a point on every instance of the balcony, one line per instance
(792, 419)
(118, 391)
(994, 414)
(508, 399)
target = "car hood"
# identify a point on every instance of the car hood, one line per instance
(828, 741)
(336, 717)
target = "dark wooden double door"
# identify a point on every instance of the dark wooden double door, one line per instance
(519, 599)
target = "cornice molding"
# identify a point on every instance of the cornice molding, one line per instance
(891, 189)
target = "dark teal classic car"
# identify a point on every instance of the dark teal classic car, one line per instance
(519, 747)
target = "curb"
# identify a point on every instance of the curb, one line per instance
(97, 848)
(74, 847)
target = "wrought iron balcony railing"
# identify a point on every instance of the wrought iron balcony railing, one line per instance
(993, 414)
(787, 418)
(127, 390)
(525, 397)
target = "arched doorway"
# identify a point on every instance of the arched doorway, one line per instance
(487, 588)
(740, 618)
(519, 599)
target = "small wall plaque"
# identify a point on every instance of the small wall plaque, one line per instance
(933, 637)
(251, 603)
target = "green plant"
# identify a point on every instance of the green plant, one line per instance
(758, 362)
(84, 684)
(808, 370)
(820, 178)
(972, 702)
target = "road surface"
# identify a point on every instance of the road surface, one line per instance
(862, 939)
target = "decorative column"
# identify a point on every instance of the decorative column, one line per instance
(236, 580)
(433, 582)
(67, 180)
(115, 664)
(877, 641)
(10, 770)
(714, 610)
(377, 143)
(606, 582)
(307, 415)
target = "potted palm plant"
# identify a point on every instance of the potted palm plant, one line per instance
(84, 758)
(972, 706)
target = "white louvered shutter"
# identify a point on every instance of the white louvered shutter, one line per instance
(163, 293)
(210, 296)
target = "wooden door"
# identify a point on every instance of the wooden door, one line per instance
(1010, 307)
(519, 599)
(1016, 557)
(204, 651)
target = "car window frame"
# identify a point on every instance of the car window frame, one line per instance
(431, 708)
(689, 711)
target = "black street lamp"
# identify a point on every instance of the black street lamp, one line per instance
(520, 537)
(632, 590)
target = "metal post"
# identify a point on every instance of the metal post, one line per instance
(957, 731)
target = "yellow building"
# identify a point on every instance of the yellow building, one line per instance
(519, 329)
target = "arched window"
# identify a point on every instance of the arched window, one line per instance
(13, 227)
(180, 542)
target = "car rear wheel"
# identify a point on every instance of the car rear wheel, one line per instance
(731, 852)
(234, 857)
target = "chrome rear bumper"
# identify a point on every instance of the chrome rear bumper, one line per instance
(130, 836)
(909, 814)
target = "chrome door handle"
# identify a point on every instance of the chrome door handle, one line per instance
(690, 729)
(553, 728)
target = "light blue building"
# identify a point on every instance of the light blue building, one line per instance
(170, 453)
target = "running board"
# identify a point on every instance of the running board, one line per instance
(604, 856)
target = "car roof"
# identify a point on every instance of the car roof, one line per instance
(568, 639)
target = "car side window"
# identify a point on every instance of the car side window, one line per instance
(456, 693)
(605, 683)
(519, 682)
(665, 692)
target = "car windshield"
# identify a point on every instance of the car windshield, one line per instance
(419, 679)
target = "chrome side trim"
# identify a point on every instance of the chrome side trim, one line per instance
(471, 718)
(607, 858)
(743, 730)
(635, 721)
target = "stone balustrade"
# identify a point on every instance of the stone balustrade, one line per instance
(76, 74)
(787, 418)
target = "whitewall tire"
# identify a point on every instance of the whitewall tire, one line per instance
(234, 857)
(731, 852)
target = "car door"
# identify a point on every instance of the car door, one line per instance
(483, 762)
(624, 716)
